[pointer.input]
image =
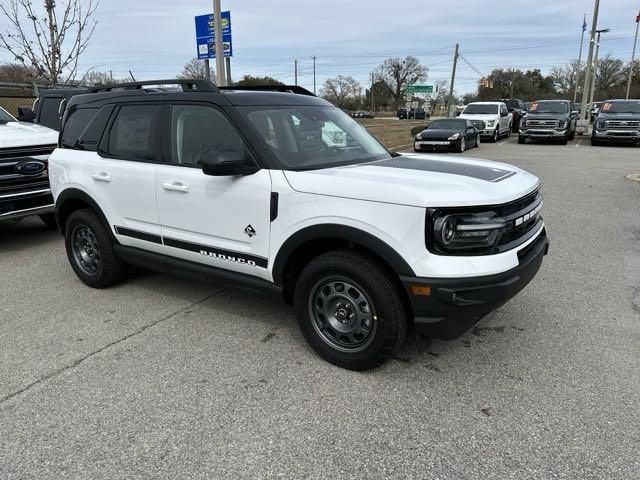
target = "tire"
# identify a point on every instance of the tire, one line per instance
(478, 141)
(328, 294)
(90, 250)
(49, 219)
(594, 142)
(522, 140)
(572, 136)
(462, 146)
(496, 136)
(564, 140)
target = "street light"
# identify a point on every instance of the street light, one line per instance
(595, 63)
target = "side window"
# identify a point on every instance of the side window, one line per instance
(197, 130)
(132, 132)
(49, 116)
(75, 124)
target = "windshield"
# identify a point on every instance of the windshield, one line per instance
(511, 104)
(479, 109)
(621, 107)
(549, 107)
(311, 137)
(447, 125)
(5, 117)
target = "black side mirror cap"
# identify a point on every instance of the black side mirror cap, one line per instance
(225, 164)
(25, 114)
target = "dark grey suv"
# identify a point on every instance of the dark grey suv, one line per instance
(549, 120)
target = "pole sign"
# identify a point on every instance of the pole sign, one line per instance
(420, 89)
(205, 35)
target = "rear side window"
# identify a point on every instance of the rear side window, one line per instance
(49, 112)
(75, 125)
(133, 131)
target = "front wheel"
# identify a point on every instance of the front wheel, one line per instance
(564, 140)
(496, 135)
(522, 140)
(90, 250)
(462, 146)
(349, 310)
(594, 142)
(477, 140)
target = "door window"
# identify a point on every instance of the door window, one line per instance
(132, 134)
(198, 130)
(49, 114)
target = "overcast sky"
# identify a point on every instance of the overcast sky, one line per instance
(154, 38)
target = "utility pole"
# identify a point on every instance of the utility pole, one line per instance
(295, 67)
(373, 105)
(584, 28)
(453, 81)
(207, 69)
(314, 74)
(633, 56)
(217, 29)
(584, 115)
(595, 64)
(227, 61)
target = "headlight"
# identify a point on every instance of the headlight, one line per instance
(562, 123)
(418, 137)
(523, 122)
(466, 232)
(600, 123)
(455, 136)
(490, 123)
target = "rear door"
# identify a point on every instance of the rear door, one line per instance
(121, 177)
(219, 221)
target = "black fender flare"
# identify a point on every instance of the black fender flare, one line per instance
(75, 194)
(341, 232)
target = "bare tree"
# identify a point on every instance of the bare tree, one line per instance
(196, 69)
(440, 94)
(609, 77)
(564, 78)
(48, 38)
(399, 73)
(340, 89)
(17, 73)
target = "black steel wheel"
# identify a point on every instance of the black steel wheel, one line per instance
(90, 250)
(350, 310)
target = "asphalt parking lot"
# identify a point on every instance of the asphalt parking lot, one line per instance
(164, 378)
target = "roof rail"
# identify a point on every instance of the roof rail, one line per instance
(188, 85)
(271, 88)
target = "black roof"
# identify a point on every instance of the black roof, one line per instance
(198, 90)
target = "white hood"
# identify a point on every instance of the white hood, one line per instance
(23, 134)
(420, 181)
(484, 118)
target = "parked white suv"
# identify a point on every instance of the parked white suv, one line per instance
(255, 187)
(492, 119)
(24, 184)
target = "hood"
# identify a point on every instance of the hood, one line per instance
(420, 181)
(23, 134)
(429, 133)
(547, 116)
(619, 116)
(485, 117)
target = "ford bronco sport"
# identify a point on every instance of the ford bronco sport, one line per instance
(245, 186)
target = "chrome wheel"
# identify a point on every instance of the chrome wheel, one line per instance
(342, 314)
(86, 250)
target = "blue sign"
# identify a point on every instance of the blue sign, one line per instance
(205, 35)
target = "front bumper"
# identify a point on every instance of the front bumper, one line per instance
(435, 145)
(617, 135)
(455, 305)
(20, 204)
(542, 133)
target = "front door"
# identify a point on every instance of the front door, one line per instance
(221, 221)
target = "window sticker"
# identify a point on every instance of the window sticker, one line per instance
(607, 106)
(533, 107)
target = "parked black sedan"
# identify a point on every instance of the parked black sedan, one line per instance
(448, 134)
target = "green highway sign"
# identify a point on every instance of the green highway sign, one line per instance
(420, 89)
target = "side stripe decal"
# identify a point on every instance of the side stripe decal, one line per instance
(207, 251)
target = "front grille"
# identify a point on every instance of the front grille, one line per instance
(542, 123)
(26, 152)
(479, 124)
(635, 124)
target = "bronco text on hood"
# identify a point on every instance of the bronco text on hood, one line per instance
(283, 191)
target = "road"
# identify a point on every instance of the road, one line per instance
(165, 378)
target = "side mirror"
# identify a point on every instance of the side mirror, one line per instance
(458, 114)
(25, 114)
(575, 112)
(223, 164)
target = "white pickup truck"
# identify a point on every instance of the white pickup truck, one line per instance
(492, 119)
(24, 181)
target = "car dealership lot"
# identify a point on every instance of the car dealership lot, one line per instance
(163, 377)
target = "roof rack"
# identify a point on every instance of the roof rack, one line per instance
(271, 88)
(188, 85)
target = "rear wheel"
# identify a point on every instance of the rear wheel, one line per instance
(90, 250)
(49, 219)
(349, 310)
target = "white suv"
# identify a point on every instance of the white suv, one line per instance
(492, 119)
(284, 191)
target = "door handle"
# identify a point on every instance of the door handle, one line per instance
(176, 187)
(101, 177)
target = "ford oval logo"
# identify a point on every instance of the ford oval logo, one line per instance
(30, 167)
